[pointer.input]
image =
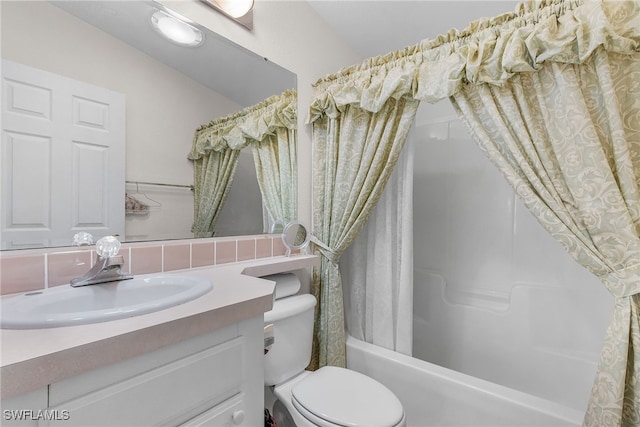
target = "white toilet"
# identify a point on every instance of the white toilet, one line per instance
(328, 397)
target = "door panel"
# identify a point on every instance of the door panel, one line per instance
(63, 148)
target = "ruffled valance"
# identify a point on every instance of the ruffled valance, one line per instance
(253, 123)
(490, 50)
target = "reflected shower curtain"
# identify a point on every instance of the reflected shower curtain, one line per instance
(275, 161)
(275, 157)
(213, 175)
(551, 94)
(269, 127)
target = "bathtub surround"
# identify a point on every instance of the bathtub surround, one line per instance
(558, 43)
(434, 396)
(495, 296)
(269, 127)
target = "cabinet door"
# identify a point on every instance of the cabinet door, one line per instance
(63, 152)
(227, 414)
(168, 395)
(24, 410)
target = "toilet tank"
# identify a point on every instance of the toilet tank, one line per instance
(292, 320)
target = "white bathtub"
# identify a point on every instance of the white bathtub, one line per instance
(436, 396)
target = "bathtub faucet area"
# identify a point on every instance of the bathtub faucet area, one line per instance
(108, 266)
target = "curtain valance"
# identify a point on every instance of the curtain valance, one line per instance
(490, 50)
(251, 124)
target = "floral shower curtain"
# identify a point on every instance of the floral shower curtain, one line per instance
(566, 136)
(269, 127)
(355, 151)
(559, 138)
(551, 94)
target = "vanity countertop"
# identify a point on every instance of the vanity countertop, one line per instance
(33, 358)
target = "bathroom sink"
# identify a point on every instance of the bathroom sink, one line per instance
(66, 305)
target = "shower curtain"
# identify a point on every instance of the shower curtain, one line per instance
(269, 127)
(562, 143)
(355, 151)
(377, 269)
(550, 93)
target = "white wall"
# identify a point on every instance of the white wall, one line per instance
(494, 295)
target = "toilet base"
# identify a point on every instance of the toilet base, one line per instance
(284, 406)
(282, 415)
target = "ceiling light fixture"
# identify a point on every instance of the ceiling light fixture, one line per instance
(235, 8)
(240, 11)
(176, 29)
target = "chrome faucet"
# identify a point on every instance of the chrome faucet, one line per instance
(107, 267)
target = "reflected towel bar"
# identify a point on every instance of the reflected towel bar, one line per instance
(161, 184)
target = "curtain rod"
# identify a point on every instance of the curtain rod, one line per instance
(160, 184)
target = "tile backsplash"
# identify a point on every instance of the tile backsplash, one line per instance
(33, 269)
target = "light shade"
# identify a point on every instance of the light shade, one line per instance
(241, 11)
(175, 29)
(235, 8)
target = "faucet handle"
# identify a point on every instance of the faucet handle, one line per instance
(82, 239)
(107, 247)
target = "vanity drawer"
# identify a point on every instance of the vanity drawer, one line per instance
(167, 395)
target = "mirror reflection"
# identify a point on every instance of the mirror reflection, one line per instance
(269, 129)
(150, 93)
(277, 227)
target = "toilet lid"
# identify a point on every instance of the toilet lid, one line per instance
(347, 398)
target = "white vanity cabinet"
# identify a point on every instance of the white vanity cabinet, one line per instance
(195, 364)
(213, 379)
(23, 410)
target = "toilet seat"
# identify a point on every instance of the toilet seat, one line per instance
(333, 396)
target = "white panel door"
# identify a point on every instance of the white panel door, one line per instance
(63, 159)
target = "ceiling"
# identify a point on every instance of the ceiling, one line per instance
(369, 27)
(376, 27)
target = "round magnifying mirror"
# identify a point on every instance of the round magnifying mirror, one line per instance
(295, 236)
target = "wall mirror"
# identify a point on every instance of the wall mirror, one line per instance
(167, 91)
